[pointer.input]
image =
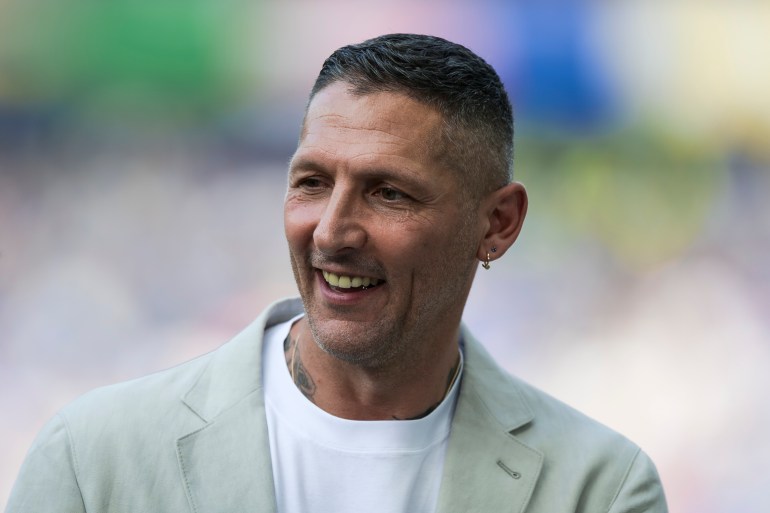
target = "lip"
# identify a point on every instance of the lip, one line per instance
(349, 298)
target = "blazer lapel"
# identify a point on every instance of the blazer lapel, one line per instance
(226, 464)
(486, 467)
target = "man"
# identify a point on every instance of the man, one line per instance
(369, 395)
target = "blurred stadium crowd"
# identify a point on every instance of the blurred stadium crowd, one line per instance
(143, 148)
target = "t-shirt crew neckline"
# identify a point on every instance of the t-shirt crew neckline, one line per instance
(319, 427)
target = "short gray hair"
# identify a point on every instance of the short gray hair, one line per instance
(477, 114)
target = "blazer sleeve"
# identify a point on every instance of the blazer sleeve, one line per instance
(641, 490)
(47, 481)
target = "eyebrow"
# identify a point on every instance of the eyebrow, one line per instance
(374, 171)
(403, 175)
(305, 163)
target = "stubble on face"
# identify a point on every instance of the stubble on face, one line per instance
(396, 343)
(345, 342)
(429, 286)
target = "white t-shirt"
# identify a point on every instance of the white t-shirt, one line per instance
(322, 463)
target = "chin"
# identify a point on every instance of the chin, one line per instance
(355, 342)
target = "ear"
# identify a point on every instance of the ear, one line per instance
(505, 210)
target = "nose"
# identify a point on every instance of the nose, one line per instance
(340, 227)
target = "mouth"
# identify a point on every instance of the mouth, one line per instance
(347, 282)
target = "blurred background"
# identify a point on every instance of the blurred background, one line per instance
(143, 147)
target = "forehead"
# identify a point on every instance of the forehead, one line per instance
(377, 123)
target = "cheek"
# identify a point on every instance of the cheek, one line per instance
(406, 250)
(299, 222)
(445, 252)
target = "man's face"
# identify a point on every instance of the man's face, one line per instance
(382, 247)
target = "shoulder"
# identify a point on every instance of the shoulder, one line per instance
(147, 395)
(132, 421)
(610, 468)
(582, 459)
(527, 411)
(189, 388)
(119, 444)
(107, 437)
(559, 425)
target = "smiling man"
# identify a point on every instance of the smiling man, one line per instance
(384, 248)
(368, 395)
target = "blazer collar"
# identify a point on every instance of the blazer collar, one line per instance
(486, 467)
(226, 463)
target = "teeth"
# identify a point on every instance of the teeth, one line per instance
(332, 278)
(346, 282)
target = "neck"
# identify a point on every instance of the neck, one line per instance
(349, 391)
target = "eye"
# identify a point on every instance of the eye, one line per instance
(310, 183)
(391, 194)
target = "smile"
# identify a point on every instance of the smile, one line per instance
(344, 281)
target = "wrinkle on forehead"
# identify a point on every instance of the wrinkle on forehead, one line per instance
(342, 125)
(399, 117)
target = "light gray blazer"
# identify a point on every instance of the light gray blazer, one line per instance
(194, 439)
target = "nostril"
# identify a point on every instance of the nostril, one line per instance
(342, 235)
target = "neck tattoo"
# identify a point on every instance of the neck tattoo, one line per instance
(297, 371)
